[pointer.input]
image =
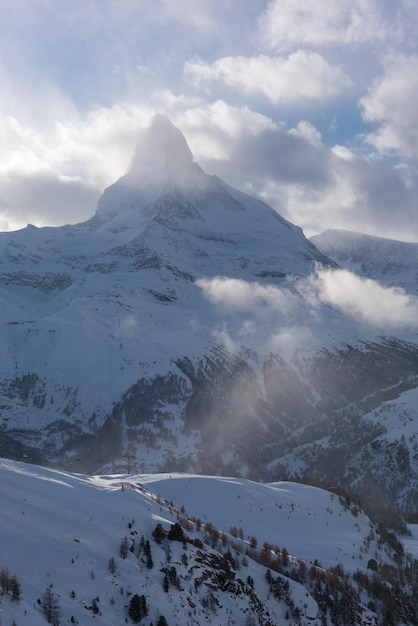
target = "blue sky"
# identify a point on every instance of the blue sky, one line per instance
(311, 106)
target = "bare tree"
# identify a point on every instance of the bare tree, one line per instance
(50, 607)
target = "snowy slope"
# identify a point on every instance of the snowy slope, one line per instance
(60, 530)
(393, 263)
(308, 521)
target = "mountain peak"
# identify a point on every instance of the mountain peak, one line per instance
(162, 157)
(162, 162)
(161, 139)
(201, 220)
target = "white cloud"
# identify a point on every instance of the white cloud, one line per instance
(54, 176)
(269, 318)
(293, 171)
(212, 129)
(84, 154)
(276, 311)
(307, 132)
(308, 312)
(355, 193)
(391, 102)
(201, 16)
(97, 147)
(290, 23)
(302, 75)
(365, 299)
(101, 144)
(286, 340)
(241, 296)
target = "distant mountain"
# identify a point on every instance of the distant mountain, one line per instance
(391, 262)
(187, 549)
(186, 327)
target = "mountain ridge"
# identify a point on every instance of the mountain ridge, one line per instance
(90, 544)
(392, 262)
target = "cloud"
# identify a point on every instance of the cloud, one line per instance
(359, 193)
(306, 312)
(303, 75)
(284, 155)
(391, 104)
(212, 128)
(288, 167)
(289, 23)
(263, 317)
(287, 316)
(55, 176)
(236, 295)
(102, 51)
(364, 299)
(101, 144)
(43, 199)
(249, 150)
(295, 172)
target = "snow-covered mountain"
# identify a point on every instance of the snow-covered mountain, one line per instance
(188, 327)
(186, 549)
(91, 308)
(393, 263)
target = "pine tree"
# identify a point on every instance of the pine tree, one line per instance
(147, 552)
(137, 608)
(112, 565)
(4, 581)
(159, 533)
(166, 584)
(176, 533)
(123, 548)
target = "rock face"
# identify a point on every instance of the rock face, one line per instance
(177, 326)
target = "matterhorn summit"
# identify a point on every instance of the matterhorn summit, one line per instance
(162, 163)
(162, 157)
(196, 221)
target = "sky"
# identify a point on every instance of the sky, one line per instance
(310, 106)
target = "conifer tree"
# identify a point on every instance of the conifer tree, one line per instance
(147, 552)
(137, 608)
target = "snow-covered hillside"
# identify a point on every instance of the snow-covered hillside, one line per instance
(393, 263)
(188, 327)
(241, 552)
